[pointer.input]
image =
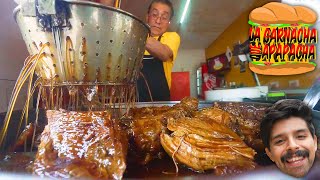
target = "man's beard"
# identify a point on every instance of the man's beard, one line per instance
(290, 154)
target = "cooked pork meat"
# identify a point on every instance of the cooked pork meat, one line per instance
(145, 139)
(216, 115)
(146, 111)
(213, 114)
(188, 105)
(203, 146)
(81, 144)
(149, 122)
(92, 145)
(251, 111)
(245, 120)
(24, 137)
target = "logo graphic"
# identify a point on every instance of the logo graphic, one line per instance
(282, 41)
(217, 64)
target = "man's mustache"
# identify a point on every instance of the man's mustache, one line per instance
(290, 154)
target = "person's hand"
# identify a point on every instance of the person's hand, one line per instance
(151, 42)
(157, 49)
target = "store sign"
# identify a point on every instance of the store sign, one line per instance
(280, 44)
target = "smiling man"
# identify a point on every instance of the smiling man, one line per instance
(289, 136)
(161, 52)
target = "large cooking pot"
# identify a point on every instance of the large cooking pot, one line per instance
(88, 43)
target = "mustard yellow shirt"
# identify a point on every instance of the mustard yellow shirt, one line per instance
(172, 40)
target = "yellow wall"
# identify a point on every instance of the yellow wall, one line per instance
(238, 31)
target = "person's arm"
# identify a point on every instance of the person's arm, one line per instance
(159, 50)
(167, 49)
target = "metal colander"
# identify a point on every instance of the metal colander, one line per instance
(88, 44)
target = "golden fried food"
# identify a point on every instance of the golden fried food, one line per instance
(81, 144)
(149, 122)
(246, 119)
(203, 146)
(25, 136)
(215, 114)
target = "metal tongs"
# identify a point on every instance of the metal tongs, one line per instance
(313, 95)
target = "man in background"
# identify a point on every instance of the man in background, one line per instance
(161, 51)
(289, 136)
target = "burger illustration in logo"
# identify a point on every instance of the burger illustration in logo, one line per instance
(282, 41)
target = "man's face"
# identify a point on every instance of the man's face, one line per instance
(158, 18)
(292, 146)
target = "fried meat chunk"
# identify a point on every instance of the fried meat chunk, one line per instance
(202, 146)
(81, 144)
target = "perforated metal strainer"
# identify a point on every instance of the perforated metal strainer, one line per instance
(95, 44)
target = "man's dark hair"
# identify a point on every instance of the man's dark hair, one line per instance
(166, 2)
(281, 110)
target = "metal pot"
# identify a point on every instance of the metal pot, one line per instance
(88, 43)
